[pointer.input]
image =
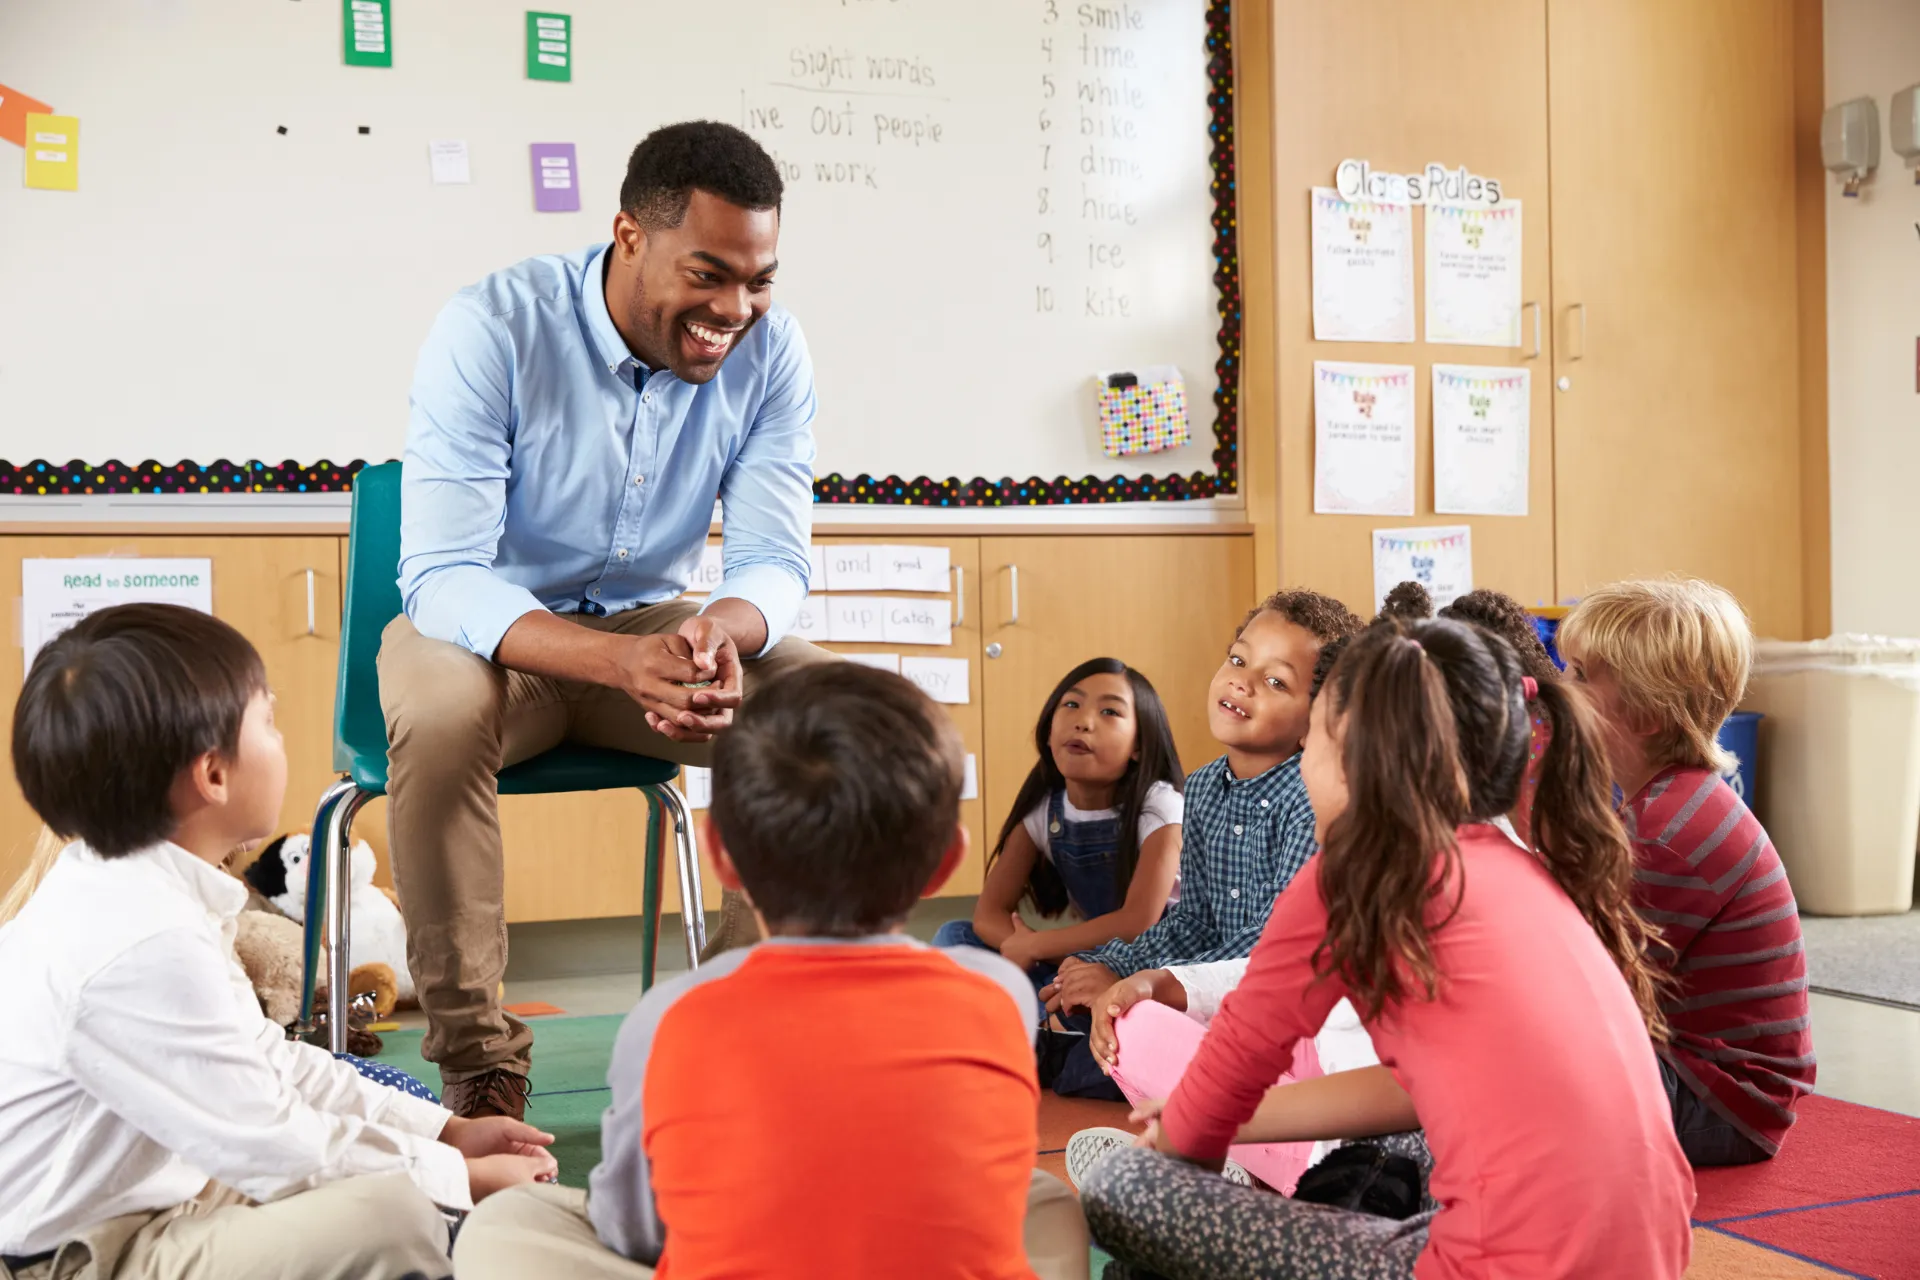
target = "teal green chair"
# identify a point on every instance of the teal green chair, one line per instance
(360, 754)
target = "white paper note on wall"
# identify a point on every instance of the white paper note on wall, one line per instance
(817, 567)
(1439, 559)
(884, 661)
(904, 568)
(1362, 269)
(811, 622)
(55, 594)
(1362, 439)
(918, 621)
(942, 679)
(854, 568)
(970, 780)
(449, 160)
(1473, 275)
(696, 784)
(1480, 440)
(710, 572)
(856, 619)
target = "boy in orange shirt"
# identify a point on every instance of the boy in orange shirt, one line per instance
(838, 1100)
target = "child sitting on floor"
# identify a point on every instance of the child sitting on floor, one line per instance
(1507, 988)
(1667, 662)
(156, 1122)
(1095, 828)
(838, 1100)
(1249, 825)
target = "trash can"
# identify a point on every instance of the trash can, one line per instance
(1741, 735)
(1839, 778)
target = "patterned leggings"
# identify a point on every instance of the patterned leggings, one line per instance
(1160, 1218)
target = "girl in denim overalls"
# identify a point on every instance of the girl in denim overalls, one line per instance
(1092, 843)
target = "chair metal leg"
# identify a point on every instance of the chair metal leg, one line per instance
(339, 839)
(650, 889)
(316, 903)
(693, 912)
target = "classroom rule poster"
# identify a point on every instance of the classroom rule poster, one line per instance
(1439, 558)
(1473, 275)
(1362, 269)
(1481, 440)
(1362, 439)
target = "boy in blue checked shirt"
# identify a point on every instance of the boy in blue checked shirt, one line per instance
(1249, 825)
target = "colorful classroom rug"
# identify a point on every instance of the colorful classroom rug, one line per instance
(1841, 1200)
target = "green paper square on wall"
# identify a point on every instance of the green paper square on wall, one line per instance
(549, 46)
(367, 30)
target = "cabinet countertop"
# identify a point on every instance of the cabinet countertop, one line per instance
(247, 514)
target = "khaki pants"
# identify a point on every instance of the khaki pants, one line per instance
(453, 721)
(377, 1228)
(543, 1231)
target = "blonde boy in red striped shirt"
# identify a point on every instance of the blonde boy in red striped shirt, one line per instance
(1666, 662)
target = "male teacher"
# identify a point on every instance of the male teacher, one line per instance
(574, 418)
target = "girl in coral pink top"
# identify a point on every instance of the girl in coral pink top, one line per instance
(1506, 991)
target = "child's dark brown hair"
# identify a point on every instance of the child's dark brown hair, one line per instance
(1507, 618)
(1322, 615)
(1435, 734)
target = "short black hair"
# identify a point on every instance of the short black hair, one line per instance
(116, 706)
(836, 794)
(673, 162)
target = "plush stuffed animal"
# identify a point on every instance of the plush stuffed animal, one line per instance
(279, 875)
(268, 947)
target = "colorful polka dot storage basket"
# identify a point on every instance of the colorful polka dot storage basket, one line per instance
(1147, 416)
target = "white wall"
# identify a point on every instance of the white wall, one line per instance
(1873, 321)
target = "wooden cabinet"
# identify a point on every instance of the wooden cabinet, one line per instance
(1464, 83)
(260, 585)
(1166, 606)
(1652, 147)
(1676, 297)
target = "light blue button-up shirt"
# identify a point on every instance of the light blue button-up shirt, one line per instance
(546, 468)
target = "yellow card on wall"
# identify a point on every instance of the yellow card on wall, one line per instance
(53, 152)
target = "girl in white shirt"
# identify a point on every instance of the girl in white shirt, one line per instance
(1095, 828)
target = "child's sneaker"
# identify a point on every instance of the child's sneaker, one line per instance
(1089, 1147)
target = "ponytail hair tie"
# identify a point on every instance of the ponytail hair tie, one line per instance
(1529, 687)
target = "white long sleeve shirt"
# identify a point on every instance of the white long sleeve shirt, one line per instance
(135, 1064)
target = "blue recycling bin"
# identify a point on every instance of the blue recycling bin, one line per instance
(1546, 629)
(1741, 735)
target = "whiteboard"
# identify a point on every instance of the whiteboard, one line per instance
(989, 202)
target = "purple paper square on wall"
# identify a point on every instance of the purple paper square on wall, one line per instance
(556, 178)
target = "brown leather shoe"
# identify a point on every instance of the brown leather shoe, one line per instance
(491, 1093)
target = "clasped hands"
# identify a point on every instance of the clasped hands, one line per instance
(657, 670)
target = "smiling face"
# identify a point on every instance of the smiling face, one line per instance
(1092, 739)
(1259, 699)
(684, 297)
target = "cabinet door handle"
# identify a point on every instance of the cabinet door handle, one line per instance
(959, 595)
(1537, 308)
(311, 620)
(1013, 585)
(1581, 307)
